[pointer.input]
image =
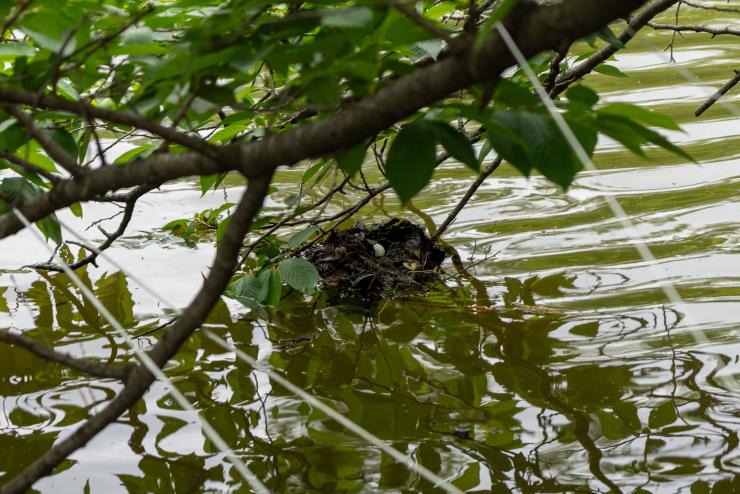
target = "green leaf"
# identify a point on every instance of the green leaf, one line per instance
(485, 150)
(470, 478)
(325, 91)
(245, 290)
(299, 274)
(582, 94)
(640, 114)
(263, 291)
(18, 189)
(76, 209)
(412, 159)
(312, 170)
(11, 51)
(30, 152)
(301, 237)
(208, 182)
(608, 35)
(627, 412)
(609, 70)
(661, 141)
(621, 130)
(513, 94)
(456, 144)
(633, 135)
(139, 151)
(221, 228)
(65, 140)
(227, 133)
(611, 426)
(664, 414)
(51, 228)
(351, 160)
(275, 291)
(349, 18)
(531, 140)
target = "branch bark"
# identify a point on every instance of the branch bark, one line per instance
(537, 28)
(139, 378)
(637, 22)
(86, 110)
(720, 92)
(110, 238)
(698, 28)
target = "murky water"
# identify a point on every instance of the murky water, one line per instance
(599, 385)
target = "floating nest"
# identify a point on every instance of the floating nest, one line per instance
(376, 261)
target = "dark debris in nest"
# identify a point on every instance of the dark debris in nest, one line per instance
(376, 261)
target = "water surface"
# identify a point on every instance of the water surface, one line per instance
(553, 364)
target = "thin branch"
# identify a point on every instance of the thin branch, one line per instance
(637, 22)
(90, 367)
(555, 68)
(21, 7)
(538, 28)
(720, 92)
(54, 150)
(287, 219)
(704, 6)
(110, 238)
(421, 21)
(697, 28)
(53, 102)
(468, 195)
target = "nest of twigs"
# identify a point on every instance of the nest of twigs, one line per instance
(376, 261)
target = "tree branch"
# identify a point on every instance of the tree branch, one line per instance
(110, 238)
(139, 378)
(716, 8)
(537, 28)
(637, 22)
(720, 92)
(52, 102)
(87, 366)
(21, 7)
(698, 28)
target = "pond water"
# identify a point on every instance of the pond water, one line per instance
(584, 379)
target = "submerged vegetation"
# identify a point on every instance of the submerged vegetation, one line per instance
(327, 119)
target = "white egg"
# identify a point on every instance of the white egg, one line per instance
(379, 250)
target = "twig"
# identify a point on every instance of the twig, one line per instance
(637, 22)
(468, 195)
(720, 92)
(156, 328)
(128, 213)
(709, 7)
(422, 21)
(22, 6)
(555, 68)
(53, 102)
(698, 28)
